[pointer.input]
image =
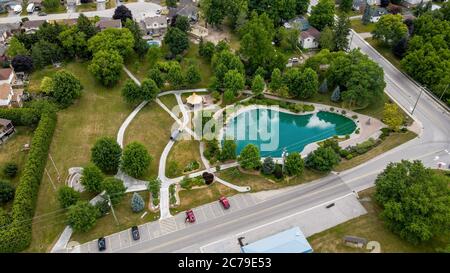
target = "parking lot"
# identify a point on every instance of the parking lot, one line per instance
(155, 229)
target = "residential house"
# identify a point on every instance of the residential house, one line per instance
(32, 26)
(359, 5)
(301, 23)
(9, 97)
(108, 23)
(190, 11)
(309, 39)
(6, 129)
(153, 25)
(7, 75)
(7, 31)
(377, 13)
(413, 3)
(37, 4)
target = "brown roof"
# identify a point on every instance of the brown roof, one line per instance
(4, 122)
(311, 32)
(33, 24)
(5, 73)
(5, 90)
(109, 23)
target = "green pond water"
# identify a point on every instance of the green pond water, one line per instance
(273, 131)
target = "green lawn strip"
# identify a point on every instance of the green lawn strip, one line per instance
(386, 52)
(183, 153)
(200, 196)
(107, 225)
(392, 141)
(99, 112)
(59, 9)
(11, 151)
(371, 227)
(151, 127)
(86, 7)
(358, 26)
(169, 100)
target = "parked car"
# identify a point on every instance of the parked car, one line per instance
(224, 201)
(101, 244)
(135, 233)
(190, 217)
(41, 13)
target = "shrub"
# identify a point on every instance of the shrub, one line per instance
(194, 165)
(103, 207)
(308, 108)
(322, 159)
(294, 164)
(21, 116)
(135, 160)
(229, 150)
(106, 155)
(10, 170)
(92, 179)
(6, 192)
(82, 216)
(67, 196)
(344, 112)
(17, 236)
(354, 116)
(208, 177)
(173, 169)
(332, 143)
(278, 171)
(250, 157)
(268, 166)
(344, 153)
(187, 183)
(349, 156)
(332, 109)
(114, 188)
(137, 202)
(154, 186)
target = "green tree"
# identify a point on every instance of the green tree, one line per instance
(415, 201)
(250, 157)
(392, 116)
(92, 178)
(10, 170)
(46, 86)
(175, 75)
(224, 61)
(106, 155)
(322, 159)
(214, 11)
(234, 81)
(171, 3)
(206, 50)
(302, 7)
(156, 76)
(176, 40)
(258, 85)
(276, 80)
(82, 216)
(66, 88)
(342, 30)
(106, 66)
(327, 39)
(135, 160)
(228, 150)
(153, 187)
(114, 189)
(112, 39)
(302, 84)
(367, 14)
(390, 29)
(182, 23)
(122, 13)
(346, 5)
(322, 14)
(268, 166)
(228, 96)
(74, 42)
(140, 45)
(137, 203)
(131, 91)
(149, 90)
(86, 26)
(15, 48)
(6, 192)
(193, 74)
(44, 53)
(288, 38)
(67, 196)
(294, 164)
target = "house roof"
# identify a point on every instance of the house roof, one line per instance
(288, 241)
(301, 22)
(188, 11)
(149, 20)
(33, 24)
(311, 32)
(4, 122)
(5, 91)
(379, 11)
(109, 23)
(5, 73)
(35, 1)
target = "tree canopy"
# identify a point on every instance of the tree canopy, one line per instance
(250, 157)
(66, 88)
(106, 154)
(82, 216)
(322, 14)
(106, 66)
(135, 160)
(112, 39)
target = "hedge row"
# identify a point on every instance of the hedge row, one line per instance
(21, 116)
(17, 236)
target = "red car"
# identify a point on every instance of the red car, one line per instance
(190, 217)
(224, 201)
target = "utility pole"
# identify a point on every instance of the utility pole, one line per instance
(417, 101)
(444, 91)
(112, 209)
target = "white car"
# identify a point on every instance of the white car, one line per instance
(17, 9)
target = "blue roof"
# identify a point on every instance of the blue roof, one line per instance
(302, 23)
(288, 241)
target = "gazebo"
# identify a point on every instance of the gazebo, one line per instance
(194, 100)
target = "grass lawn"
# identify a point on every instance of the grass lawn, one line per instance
(10, 151)
(197, 197)
(126, 217)
(59, 9)
(261, 182)
(170, 101)
(99, 112)
(358, 26)
(184, 152)
(392, 141)
(86, 7)
(111, 4)
(37, 76)
(371, 227)
(139, 67)
(385, 51)
(150, 127)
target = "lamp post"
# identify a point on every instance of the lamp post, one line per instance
(417, 101)
(444, 91)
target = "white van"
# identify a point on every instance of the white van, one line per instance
(17, 9)
(30, 8)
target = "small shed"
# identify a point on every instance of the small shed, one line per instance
(354, 241)
(6, 129)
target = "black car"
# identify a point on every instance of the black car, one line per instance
(101, 244)
(135, 233)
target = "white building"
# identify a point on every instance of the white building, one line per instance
(153, 25)
(309, 38)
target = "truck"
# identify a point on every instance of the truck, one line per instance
(30, 8)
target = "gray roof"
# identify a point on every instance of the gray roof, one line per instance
(109, 23)
(188, 11)
(379, 12)
(155, 19)
(33, 23)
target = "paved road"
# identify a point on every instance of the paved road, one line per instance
(431, 146)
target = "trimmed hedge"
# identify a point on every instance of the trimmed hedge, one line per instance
(17, 236)
(21, 116)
